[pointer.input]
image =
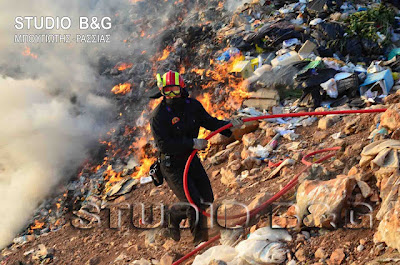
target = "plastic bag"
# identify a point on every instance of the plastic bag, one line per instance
(259, 151)
(230, 237)
(290, 42)
(228, 54)
(315, 21)
(330, 88)
(262, 246)
(222, 252)
(267, 233)
(260, 252)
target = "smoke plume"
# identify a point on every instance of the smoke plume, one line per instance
(52, 103)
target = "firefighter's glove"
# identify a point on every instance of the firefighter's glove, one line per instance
(200, 144)
(236, 123)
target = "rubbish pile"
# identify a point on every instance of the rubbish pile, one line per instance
(332, 53)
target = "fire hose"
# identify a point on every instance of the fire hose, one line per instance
(285, 189)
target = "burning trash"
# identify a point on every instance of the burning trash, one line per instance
(121, 88)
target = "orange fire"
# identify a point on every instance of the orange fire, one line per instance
(222, 86)
(182, 70)
(27, 52)
(165, 54)
(144, 168)
(140, 149)
(142, 33)
(154, 103)
(36, 225)
(121, 88)
(58, 222)
(124, 66)
(144, 52)
(231, 89)
(198, 71)
(111, 176)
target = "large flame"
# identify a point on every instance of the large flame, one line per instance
(165, 54)
(111, 176)
(223, 93)
(140, 149)
(121, 88)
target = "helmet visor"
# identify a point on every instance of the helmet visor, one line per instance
(171, 91)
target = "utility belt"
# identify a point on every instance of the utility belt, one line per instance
(166, 159)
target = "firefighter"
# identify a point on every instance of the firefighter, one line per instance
(175, 125)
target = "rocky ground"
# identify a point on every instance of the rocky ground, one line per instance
(315, 244)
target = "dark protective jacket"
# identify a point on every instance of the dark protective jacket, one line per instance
(174, 130)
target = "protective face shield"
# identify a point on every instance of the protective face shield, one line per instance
(170, 84)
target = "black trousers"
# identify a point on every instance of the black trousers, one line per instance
(199, 188)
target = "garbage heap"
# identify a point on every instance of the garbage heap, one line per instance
(331, 53)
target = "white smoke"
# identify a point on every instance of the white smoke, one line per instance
(51, 114)
(41, 141)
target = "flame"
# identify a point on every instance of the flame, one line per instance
(223, 93)
(144, 52)
(182, 70)
(142, 34)
(165, 54)
(121, 88)
(58, 222)
(27, 52)
(140, 149)
(111, 176)
(144, 168)
(198, 71)
(154, 103)
(36, 225)
(220, 5)
(124, 66)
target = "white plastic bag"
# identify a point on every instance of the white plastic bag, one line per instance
(330, 88)
(261, 252)
(259, 151)
(222, 252)
(263, 246)
(315, 21)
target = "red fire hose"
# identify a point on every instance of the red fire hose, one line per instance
(288, 186)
